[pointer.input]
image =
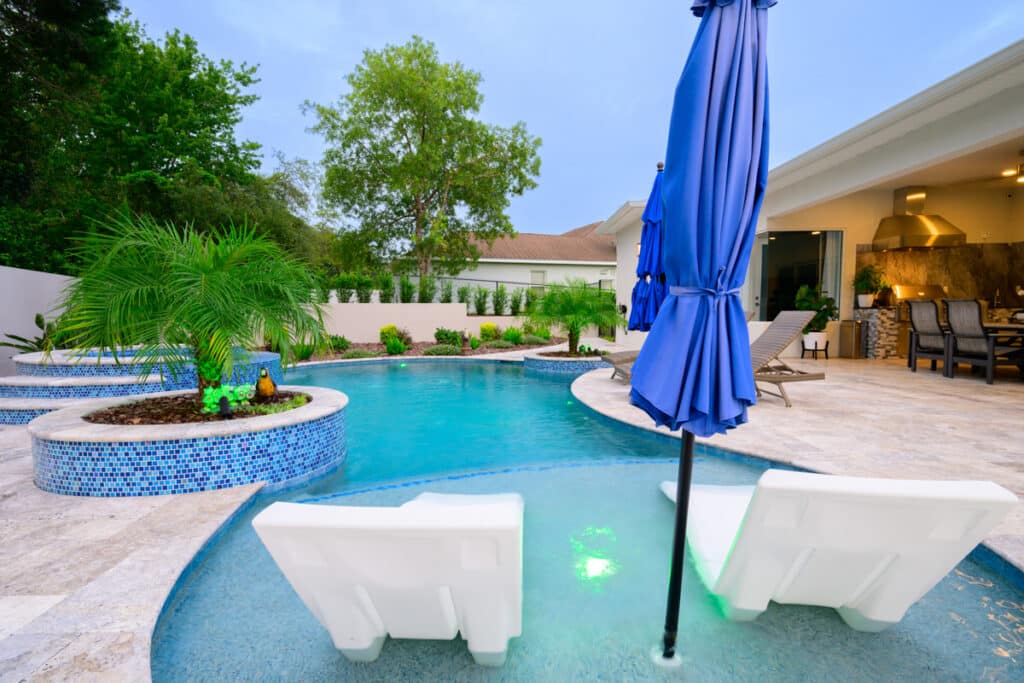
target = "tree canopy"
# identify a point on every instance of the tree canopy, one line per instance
(103, 119)
(412, 166)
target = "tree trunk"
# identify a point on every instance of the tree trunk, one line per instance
(574, 340)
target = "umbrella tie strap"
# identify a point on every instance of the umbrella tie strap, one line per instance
(701, 291)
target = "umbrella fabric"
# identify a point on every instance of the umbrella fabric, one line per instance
(649, 291)
(694, 369)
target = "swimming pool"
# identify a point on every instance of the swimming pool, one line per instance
(590, 489)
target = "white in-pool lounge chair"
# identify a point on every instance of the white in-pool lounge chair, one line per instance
(431, 568)
(870, 548)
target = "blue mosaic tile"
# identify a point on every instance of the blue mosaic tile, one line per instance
(563, 367)
(150, 468)
(126, 388)
(244, 372)
(21, 417)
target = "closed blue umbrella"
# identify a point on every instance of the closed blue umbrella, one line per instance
(694, 369)
(649, 290)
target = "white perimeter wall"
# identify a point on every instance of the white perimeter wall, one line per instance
(361, 323)
(519, 272)
(25, 293)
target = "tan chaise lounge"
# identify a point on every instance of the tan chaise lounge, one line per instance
(766, 349)
(622, 362)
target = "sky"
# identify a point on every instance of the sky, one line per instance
(593, 79)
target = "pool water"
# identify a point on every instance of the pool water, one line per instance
(597, 534)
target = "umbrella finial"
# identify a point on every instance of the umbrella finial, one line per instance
(661, 165)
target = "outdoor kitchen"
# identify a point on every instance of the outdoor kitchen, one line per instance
(925, 256)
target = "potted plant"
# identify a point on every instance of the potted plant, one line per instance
(813, 299)
(867, 280)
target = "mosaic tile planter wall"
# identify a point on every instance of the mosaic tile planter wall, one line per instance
(64, 389)
(13, 416)
(77, 458)
(61, 364)
(562, 366)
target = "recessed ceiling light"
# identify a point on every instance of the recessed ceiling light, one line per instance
(1009, 173)
(1020, 179)
(816, 232)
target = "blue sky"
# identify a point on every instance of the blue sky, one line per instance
(593, 79)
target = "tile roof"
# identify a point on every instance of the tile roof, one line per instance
(579, 244)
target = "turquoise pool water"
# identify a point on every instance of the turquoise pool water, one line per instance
(590, 489)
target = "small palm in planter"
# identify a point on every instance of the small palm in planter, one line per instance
(813, 299)
(867, 281)
(186, 297)
(575, 306)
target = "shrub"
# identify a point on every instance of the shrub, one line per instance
(360, 353)
(406, 290)
(338, 343)
(480, 296)
(301, 352)
(386, 287)
(450, 337)
(364, 288)
(513, 335)
(428, 289)
(542, 332)
(474, 343)
(530, 300)
(515, 303)
(273, 408)
(500, 300)
(463, 293)
(394, 332)
(534, 340)
(489, 332)
(395, 346)
(446, 292)
(499, 344)
(442, 350)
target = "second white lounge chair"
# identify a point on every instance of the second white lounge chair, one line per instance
(870, 548)
(434, 567)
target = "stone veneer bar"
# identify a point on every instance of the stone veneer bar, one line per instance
(79, 458)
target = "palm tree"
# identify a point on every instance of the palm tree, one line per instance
(186, 297)
(576, 306)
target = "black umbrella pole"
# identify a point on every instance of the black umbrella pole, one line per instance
(675, 577)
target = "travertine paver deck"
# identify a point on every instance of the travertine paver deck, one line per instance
(82, 580)
(875, 418)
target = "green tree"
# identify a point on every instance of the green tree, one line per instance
(575, 306)
(187, 297)
(408, 160)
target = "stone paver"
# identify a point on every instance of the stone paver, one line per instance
(82, 580)
(875, 418)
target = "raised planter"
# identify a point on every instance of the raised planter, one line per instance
(67, 364)
(554, 365)
(78, 458)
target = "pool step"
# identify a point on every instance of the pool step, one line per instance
(19, 411)
(41, 387)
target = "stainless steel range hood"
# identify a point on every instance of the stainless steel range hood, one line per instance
(910, 226)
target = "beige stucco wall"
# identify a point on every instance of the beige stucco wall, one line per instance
(25, 293)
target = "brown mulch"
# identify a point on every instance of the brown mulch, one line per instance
(163, 410)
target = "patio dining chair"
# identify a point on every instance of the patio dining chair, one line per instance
(928, 339)
(971, 343)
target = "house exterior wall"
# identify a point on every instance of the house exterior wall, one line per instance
(488, 272)
(626, 240)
